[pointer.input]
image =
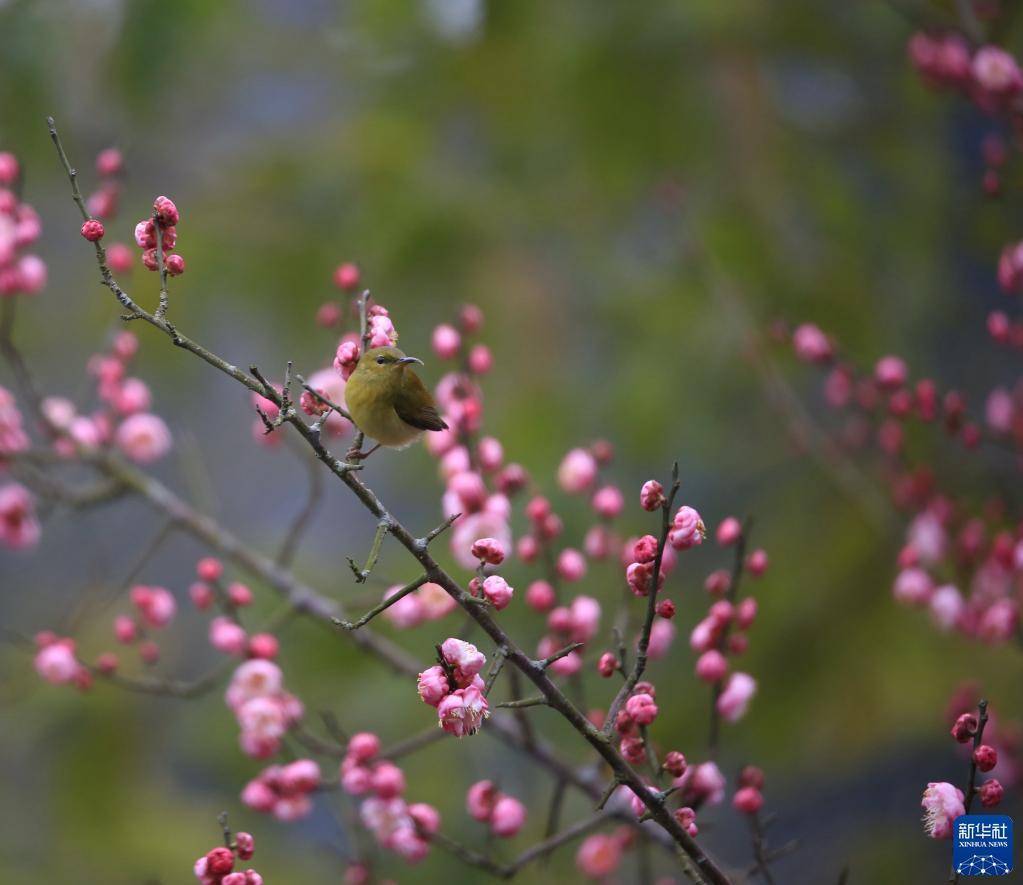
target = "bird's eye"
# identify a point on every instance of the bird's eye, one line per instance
(381, 360)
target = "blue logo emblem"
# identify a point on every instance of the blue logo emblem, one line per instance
(982, 845)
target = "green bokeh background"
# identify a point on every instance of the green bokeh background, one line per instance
(632, 193)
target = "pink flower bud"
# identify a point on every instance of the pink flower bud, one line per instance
(346, 276)
(571, 565)
(756, 563)
(717, 582)
(645, 549)
(996, 71)
(688, 529)
(599, 856)
(470, 490)
(491, 454)
(201, 595)
(9, 169)
(328, 314)
(608, 502)
(107, 663)
(246, 845)
(999, 327)
(355, 779)
(109, 162)
(425, 817)
(32, 274)
(149, 651)
(584, 618)
(751, 776)
(481, 360)
(577, 471)
(560, 619)
(639, 576)
(729, 531)
(651, 496)
(143, 438)
(56, 663)
(736, 696)
(686, 818)
(480, 800)
(512, 479)
(363, 746)
(985, 757)
(721, 612)
(641, 708)
(125, 629)
(811, 344)
(239, 595)
(551, 527)
(145, 234)
(527, 548)
(991, 793)
(300, 776)
(263, 646)
(913, 586)
(737, 644)
(446, 341)
(347, 357)
(746, 613)
(464, 658)
(508, 817)
(890, 372)
(470, 318)
(165, 210)
(965, 728)
(538, 509)
(497, 590)
(711, 666)
(674, 763)
(748, 800)
(227, 636)
(174, 264)
(488, 550)
(666, 609)
(388, 780)
(540, 596)
(92, 230)
(219, 861)
(156, 606)
(209, 569)
(607, 665)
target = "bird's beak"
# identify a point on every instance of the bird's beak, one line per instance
(405, 360)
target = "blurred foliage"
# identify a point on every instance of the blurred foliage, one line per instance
(596, 177)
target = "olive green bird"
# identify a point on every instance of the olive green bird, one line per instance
(388, 401)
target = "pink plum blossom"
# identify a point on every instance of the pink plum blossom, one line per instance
(942, 804)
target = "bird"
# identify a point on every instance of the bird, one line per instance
(389, 402)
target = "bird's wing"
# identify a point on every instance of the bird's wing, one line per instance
(415, 405)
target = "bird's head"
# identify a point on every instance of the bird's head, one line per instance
(384, 363)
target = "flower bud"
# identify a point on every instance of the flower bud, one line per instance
(651, 496)
(748, 800)
(607, 664)
(675, 763)
(92, 230)
(985, 757)
(991, 793)
(965, 728)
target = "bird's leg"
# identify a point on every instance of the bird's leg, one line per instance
(355, 455)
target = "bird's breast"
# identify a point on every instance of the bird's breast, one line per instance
(375, 416)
